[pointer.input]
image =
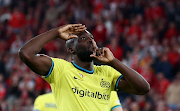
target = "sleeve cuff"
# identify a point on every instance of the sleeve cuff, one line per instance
(49, 70)
(115, 107)
(118, 82)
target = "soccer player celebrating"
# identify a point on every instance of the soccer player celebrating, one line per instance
(45, 102)
(80, 84)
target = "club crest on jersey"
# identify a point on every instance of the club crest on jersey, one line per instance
(81, 75)
(105, 84)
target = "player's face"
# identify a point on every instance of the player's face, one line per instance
(84, 47)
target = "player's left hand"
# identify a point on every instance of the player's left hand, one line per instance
(102, 54)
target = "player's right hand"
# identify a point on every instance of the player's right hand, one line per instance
(66, 31)
(102, 54)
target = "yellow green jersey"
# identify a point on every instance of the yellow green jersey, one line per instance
(114, 101)
(78, 89)
(45, 102)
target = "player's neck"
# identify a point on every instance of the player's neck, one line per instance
(85, 65)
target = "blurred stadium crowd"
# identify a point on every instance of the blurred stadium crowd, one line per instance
(143, 34)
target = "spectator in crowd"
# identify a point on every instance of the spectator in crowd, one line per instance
(171, 32)
(161, 106)
(164, 66)
(2, 66)
(99, 32)
(3, 88)
(174, 55)
(115, 48)
(172, 93)
(162, 84)
(17, 19)
(148, 107)
(155, 48)
(134, 106)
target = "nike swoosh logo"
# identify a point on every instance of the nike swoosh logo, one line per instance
(77, 78)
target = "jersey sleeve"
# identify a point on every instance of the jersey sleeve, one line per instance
(38, 104)
(56, 70)
(116, 77)
(114, 101)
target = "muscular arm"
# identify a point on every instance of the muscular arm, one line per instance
(28, 53)
(41, 64)
(132, 82)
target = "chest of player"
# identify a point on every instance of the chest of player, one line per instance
(77, 78)
(86, 85)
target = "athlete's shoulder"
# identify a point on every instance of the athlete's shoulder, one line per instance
(103, 68)
(100, 67)
(59, 60)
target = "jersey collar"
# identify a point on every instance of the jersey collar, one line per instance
(82, 69)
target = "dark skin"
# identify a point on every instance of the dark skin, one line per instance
(132, 81)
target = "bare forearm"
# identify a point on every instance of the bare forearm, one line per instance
(35, 45)
(134, 79)
(28, 53)
(41, 64)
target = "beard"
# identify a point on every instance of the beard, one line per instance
(84, 53)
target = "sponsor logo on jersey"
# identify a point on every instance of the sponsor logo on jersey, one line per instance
(51, 105)
(105, 84)
(77, 78)
(91, 94)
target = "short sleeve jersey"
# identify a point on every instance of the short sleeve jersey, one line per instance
(114, 101)
(45, 102)
(81, 89)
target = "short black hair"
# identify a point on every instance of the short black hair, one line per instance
(70, 43)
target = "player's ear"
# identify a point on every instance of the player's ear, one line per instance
(70, 50)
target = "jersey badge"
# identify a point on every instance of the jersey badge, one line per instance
(105, 84)
(81, 75)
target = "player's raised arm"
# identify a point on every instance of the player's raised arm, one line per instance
(132, 81)
(41, 64)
